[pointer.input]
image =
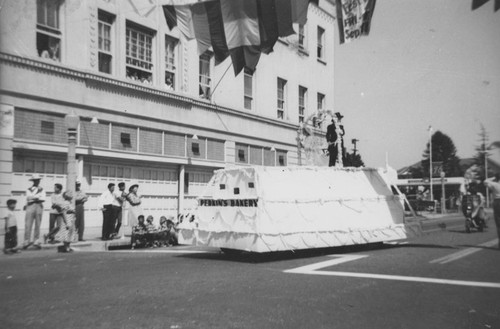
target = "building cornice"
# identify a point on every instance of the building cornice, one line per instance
(91, 78)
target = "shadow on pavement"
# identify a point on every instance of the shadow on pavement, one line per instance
(253, 257)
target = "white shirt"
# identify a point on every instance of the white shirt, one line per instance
(108, 198)
(35, 194)
(493, 186)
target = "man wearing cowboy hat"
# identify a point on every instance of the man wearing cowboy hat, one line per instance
(35, 196)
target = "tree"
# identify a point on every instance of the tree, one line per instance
(353, 160)
(482, 154)
(443, 150)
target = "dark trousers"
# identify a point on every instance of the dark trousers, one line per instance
(10, 238)
(55, 221)
(109, 219)
(80, 220)
(496, 216)
(118, 221)
(333, 151)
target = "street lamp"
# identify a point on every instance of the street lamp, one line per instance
(443, 195)
(72, 121)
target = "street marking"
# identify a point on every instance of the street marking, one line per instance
(463, 253)
(313, 269)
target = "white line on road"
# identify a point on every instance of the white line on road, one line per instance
(463, 253)
(316, 266)
(313, 269)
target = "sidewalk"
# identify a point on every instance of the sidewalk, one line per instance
(92, 242)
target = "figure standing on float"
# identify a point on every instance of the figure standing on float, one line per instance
(335, 138)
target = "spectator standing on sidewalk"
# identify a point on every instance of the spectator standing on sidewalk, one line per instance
(122, 199)
(68, 222)
(10, 244)
(135, 205)
(35, 196)
(493, 184)
(80, 199)
(108, 204)
(55, 216)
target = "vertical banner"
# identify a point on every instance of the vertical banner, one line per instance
(354, 18)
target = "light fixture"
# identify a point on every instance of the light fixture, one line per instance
(273, 149)
(195, 137)
(94, 120)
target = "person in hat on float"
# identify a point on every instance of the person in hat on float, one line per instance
(341, 133)
(135, 204)
(35, 196)
(80, 199)
(334, 137)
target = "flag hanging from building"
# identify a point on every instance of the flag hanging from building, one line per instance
(354, 18)
(478, 3)
(242, 29)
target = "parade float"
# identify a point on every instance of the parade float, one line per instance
(267, 209)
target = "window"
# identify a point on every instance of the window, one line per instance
(248, 82)
(281, 160)
(170, 62)
(125, 140)
(321, 43)
(47, 128)
(281, 98)
(48, 34)
(139, 54)
(302, 103)
(302, 37)
(205, 79)
(241, 155)
(195, 147)
(105, 53)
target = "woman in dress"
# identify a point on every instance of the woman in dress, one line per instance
(68, 223)
(135, 205)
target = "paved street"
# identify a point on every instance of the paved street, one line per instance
(447, 279)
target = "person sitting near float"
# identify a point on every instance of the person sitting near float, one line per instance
(139, 231)
(172, 232)
(151, 233)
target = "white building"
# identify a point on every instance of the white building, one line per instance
(167, 117)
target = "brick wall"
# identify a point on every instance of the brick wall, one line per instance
(215, 150)
(116, 135)
(256, 155)
(39, 126)
(150, 141)
(94, 134)
(174, 144)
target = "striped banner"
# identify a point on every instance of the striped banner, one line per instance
(242, 29)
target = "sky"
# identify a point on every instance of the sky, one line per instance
(425, 63)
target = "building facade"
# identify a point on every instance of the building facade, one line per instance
(152, 110)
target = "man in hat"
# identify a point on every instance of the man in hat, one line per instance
(35, 196)
(109, 204)
(341, 133)
(80, 199)
(122, 198)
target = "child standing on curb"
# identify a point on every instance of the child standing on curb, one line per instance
(10, 245)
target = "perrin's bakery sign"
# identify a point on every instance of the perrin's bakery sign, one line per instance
(228, 202)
